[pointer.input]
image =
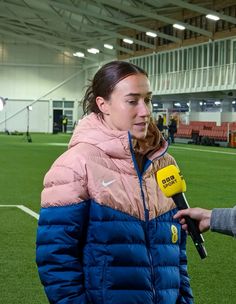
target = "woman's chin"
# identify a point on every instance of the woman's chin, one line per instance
(139, 135)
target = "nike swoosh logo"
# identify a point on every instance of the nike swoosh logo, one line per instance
(106, 184)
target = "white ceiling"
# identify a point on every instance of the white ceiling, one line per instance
(75, 25)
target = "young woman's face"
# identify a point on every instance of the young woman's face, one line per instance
(129, 107)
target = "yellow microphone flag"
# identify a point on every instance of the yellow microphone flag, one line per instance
(170, 180)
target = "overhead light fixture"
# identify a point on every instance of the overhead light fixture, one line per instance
(151, 34)
(93, 51)
(155, 104)
(78, 54)
(179, 26)
(129, 41)
(213, 17)
(177, 104)
(108, 46)
(217, 103)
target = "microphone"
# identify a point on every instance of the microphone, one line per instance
(172, 184)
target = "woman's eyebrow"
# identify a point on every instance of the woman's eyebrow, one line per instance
(137, 94)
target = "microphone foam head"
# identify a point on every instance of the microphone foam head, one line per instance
(170, 180)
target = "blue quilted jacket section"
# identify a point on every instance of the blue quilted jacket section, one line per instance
(92, 254)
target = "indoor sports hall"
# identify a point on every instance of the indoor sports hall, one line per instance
(50, 50)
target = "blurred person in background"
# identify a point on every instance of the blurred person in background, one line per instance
(172, 129)
(160, 123)
(64, 123)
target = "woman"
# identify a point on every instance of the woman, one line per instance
(106, 232)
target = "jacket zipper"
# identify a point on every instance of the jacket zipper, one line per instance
(148, 241)
(146, 215)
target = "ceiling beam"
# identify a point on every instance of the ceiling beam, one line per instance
(155, 16)
(140, 27)
(85, 37)
(84, 12)
(48, 38)
(87, 12)
(202, 10)
(24, 37)
(54, 15)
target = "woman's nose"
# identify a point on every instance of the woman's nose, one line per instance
(144, 108)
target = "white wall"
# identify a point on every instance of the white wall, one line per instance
(18, 82)
(29, 73)
(38, 117)
(205, 116)
(219, 117)
(228, 116)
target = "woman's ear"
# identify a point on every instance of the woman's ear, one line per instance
(103, 105)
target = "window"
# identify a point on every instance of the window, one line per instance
(68, 104)
(57, 104)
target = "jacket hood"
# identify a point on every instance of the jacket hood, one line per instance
(93, 130)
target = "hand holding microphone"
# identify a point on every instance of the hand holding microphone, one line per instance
(202, 216)
(172, 184)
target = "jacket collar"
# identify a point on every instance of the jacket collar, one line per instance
(93, 130)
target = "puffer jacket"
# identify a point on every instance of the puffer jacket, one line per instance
(106, 233)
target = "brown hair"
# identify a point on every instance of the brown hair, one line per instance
(104, 82)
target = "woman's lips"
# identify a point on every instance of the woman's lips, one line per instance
(141, 125)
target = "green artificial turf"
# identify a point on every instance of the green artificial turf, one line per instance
(210, 179)
(23, 166)
(19, 279)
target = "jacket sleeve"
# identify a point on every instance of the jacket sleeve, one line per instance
(59, 253)
(223, 220)
(60, 239)
(186, 296)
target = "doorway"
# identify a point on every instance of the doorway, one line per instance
(57, 121)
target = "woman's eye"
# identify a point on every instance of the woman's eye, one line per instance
(148, 100)
(132, 102)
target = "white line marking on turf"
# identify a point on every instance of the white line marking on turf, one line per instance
(29, 211)
(8, 205)
(25, 209)
(56, 144)
(201, 150)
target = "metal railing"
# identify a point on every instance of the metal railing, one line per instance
(196, 80)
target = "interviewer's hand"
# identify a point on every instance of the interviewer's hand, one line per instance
(202, 216)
